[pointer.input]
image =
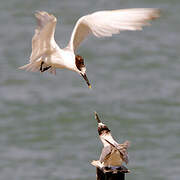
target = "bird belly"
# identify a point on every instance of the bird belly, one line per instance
(55, 60)
(64, 59)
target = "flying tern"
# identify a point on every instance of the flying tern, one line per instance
(113, 154)
(47, 55)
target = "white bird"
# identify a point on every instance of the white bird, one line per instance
(113, 154)
(47, 55)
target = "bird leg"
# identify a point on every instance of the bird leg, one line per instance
(46, 68)
(41, 66)
(42, 69)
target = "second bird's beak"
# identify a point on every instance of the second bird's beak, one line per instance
(86, 79)
(97, 117)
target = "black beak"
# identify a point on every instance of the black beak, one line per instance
(86, 79)
(97, 117)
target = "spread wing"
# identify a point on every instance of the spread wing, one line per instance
(43, 39)
(106, 23)
(122, 148)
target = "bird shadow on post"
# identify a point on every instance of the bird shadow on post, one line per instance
(111, 173)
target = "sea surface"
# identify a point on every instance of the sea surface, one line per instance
(47, 125)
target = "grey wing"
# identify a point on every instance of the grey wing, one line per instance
(123, 150)
(105, 151)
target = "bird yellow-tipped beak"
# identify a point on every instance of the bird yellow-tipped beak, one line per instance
(86, 79)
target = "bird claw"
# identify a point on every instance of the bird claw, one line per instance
(42, 69)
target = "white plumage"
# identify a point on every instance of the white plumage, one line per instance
(47, 55)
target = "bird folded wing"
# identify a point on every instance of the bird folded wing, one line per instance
(43, 40)
(106, 23)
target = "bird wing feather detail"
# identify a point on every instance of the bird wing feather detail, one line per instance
(107, 23)
(43, 39)
(122, 148)
(105, 152)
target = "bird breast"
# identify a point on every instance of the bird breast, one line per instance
(64, 59)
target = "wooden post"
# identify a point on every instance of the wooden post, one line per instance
(115, 173)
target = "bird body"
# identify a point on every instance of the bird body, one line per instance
(113, 153)
(47, 55)
(63, 59)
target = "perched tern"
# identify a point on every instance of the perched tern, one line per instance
(113, 154)
(47, 55)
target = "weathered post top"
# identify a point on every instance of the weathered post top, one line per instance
(113, 173)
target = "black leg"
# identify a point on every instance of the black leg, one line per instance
(41, 69)
(46, 68)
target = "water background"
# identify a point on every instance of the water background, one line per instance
(47, 126)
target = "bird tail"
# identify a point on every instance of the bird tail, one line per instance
(34, 67)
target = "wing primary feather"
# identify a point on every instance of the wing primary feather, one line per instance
(107, 23)
(43, 39)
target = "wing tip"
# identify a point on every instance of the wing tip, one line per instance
(43, 14)
(155, 13)
(127, 143)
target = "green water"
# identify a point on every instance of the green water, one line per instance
(47, 126)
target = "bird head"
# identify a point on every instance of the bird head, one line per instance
(82, 68)
(102, 128)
